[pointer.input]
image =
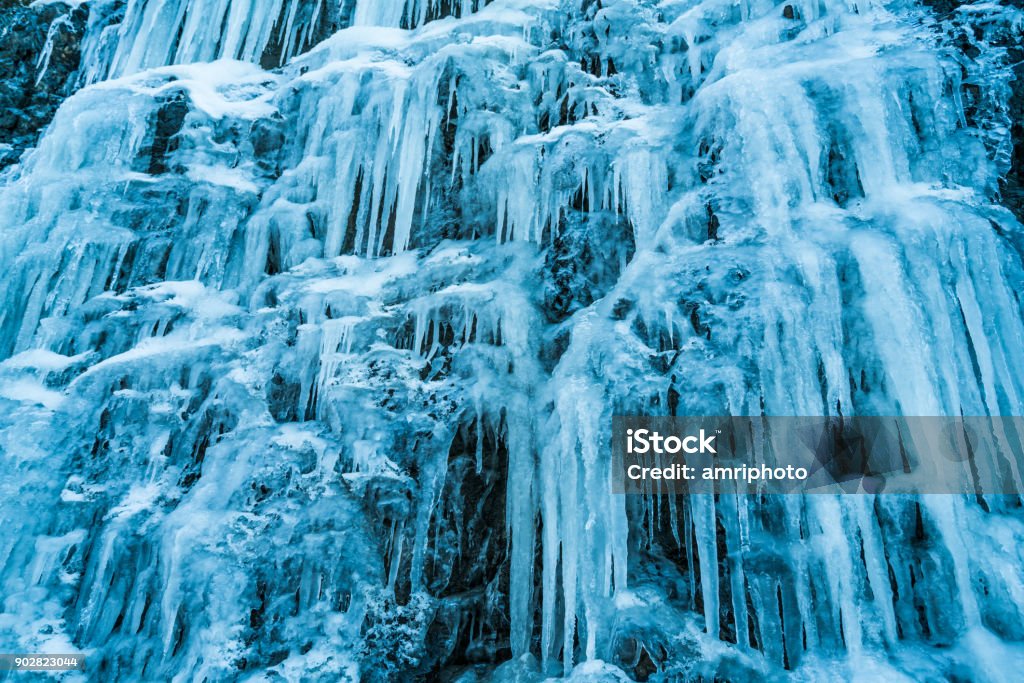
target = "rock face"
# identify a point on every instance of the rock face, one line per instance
(314, 315)
(1013, 183)
(991, 52)
(39, 56)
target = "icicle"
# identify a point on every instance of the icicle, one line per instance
(703, 507)
(335, 347)
(43, 62)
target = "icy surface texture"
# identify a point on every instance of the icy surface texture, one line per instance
(308, 372)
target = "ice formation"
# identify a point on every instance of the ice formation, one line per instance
(314, 315)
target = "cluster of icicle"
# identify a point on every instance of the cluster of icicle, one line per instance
(246, 315)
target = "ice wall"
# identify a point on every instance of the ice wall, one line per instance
(310, 370)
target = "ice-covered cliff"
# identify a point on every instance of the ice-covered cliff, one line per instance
(310, 351)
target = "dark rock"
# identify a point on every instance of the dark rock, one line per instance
(968, 39)
(584, 260)
(164, 128)
(943, 6)
(1012, 186)
(267, 137)
(326, 19)
(39, 59)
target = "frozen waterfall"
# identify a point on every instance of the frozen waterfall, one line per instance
(314, 315)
